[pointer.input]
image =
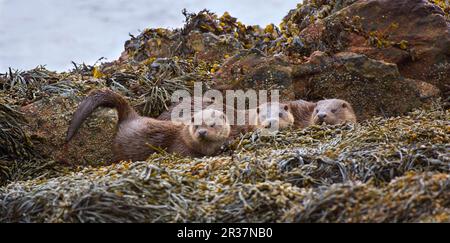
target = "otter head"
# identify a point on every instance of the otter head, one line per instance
(333, 111)
(274, 116)
(210, 126)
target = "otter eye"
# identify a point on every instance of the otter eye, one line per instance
(213, 125)
(344, 105)
(280, 114)
(286, 107)
(334, 110)
(317, 111)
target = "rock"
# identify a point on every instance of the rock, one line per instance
(210, 47)
(48, 121)
(308, 11)
(374, 88)
(439, 75)
(150, 43)
(162, 43)
(421, 26)
(426, 90)
(310, 28)
(414, 34)
(252, 69)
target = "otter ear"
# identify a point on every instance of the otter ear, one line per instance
(286, 107)
(344, 105)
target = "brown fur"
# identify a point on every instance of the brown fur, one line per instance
(302, 111)
(138, 137)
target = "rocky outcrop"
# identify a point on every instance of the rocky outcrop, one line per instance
(164, 43)
(416, 30)
(48, 120)
(210, 47)
(414, 34)
(374, 88)
(252, 69)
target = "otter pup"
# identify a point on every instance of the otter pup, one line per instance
(273, 116)
(333, 111)
(138, 137)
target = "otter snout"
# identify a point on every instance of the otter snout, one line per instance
(321, 117)
(202, 133)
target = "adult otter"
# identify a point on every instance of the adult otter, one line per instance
(138, 137)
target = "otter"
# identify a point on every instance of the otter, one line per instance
(333, 111)
(273, 116)
(329, 111)
(138, 137)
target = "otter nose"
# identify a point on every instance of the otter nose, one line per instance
(202, 133)
(321, 116)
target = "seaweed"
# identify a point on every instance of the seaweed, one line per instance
(383, 170)
(14, 142)
(25, 86)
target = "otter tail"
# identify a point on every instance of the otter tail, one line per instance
(100, 98)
